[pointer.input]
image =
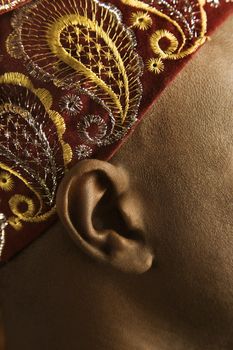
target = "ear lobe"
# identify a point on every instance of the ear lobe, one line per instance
(96, 206)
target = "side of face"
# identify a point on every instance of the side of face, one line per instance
(175, 196)
(181, 161)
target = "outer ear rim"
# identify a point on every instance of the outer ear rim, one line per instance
(62, 203)
(135, 257)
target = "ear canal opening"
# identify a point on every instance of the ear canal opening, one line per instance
(108, 216)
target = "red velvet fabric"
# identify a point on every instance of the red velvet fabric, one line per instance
(153, 85)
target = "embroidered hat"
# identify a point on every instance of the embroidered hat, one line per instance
(76, 76)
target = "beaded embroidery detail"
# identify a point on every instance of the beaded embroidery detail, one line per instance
(8, 5)
(3, 225)
(217, 3)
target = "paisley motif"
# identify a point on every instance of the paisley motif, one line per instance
(81, 44)
(188, 19)
(33, 153)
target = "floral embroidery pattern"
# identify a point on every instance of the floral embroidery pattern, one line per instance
(79, 49)
(186, 20)
(83, 152)
(71, 104)
(30, 143)
(6, 181)
(155, 65)
(141, 20)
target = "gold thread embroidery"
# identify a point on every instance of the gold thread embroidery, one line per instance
(37, 217)
(141, 20)
(26, 214)
(155, 65)
(40, 218)
(6, 181)
(182, 51)
(159, 35)
(9, 110)
(22, 206)
(84, 45)
(16, 174)
(46, 99)
(53, 36)
(15, 223)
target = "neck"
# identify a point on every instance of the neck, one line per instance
(62, 300)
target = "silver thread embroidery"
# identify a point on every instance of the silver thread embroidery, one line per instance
(99, 57)
(83, 152)
(9, 4)
(86, 126)
(3, 225)
(28, 144)
(70, 104)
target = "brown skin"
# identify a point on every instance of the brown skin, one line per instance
(159, 233)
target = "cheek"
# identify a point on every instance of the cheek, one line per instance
(182, 167)
(187, 172)
(187, 187)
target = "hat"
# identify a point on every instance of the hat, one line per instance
(76, 77)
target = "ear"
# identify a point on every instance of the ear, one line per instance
(103, 216)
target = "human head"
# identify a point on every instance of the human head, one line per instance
(177, 168)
